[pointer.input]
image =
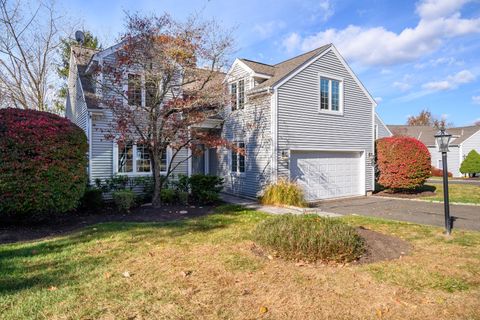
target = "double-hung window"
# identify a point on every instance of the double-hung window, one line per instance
(134, 91)
(331, 95)
(237, 92)
(238, 158)
(135, 159)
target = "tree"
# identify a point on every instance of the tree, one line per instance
(403, 163)
(164, 56)
(471, 164)
(63, 69)
(28, 42)
(426, 118)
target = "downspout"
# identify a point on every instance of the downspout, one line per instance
(89, 137)
(274, 132)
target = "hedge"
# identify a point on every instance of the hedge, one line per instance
(43, 159)
(403, 163)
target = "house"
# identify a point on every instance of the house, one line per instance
(464, 140)
(308, 119)
(381, 129)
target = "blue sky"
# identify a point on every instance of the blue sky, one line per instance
(410, 55)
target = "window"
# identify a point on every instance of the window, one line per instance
(237, 92)
(330, 95)
(238, 159)
(440, 164)
(134, 91)
(151, 90)
(136, 159)
(143, 159)
(125, 158)
(233, 93)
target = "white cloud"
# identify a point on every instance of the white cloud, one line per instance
(378, 99)
(291, 42)
(266, 29)
(323, 10)
(402, 86)
(476, 99)
(439, 20)
(451, 82)
(450, 61)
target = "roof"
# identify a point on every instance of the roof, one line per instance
(83, 56)
(281, 70)
(426, 134)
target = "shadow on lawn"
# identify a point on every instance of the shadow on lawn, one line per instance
(74, 257)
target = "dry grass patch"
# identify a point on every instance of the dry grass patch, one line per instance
(204, 268)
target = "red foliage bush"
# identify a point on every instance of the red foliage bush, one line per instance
(403, 163)
(439, 172)
(42, 162)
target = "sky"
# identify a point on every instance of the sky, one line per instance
(410, 55)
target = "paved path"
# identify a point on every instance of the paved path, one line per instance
(467, 217)
(475, 182)
(253, 204)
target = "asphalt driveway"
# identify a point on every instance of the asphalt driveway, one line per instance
(466, 217)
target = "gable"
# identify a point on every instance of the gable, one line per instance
(332, 63)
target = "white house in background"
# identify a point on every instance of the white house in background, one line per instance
(308, 119)
(464, 140)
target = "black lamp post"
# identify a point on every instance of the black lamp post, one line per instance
(443, 140)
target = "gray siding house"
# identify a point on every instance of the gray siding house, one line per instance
(464, 140)
(308, 119)
(381, 129)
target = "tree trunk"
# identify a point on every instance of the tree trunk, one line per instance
(157, 179)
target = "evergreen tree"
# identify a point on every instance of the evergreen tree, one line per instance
(471, 164)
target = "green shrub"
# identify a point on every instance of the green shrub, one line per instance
(124, 200)
(205, 189)
(168, 196)
(208, 197)
(92, 200)
(471, 164)
(283, 193)
(183, 197)
(309, 238)
(42, 163)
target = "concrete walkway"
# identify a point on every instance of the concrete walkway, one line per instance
(253, 204)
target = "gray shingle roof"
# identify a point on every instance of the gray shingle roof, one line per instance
(281, 70)
(426, 134)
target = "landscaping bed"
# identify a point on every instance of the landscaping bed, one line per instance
(59, 224)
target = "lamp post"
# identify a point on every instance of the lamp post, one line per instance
(443, 140)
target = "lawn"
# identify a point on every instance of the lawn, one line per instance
(462, 193)
(204, 268)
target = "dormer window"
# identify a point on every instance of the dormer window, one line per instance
(237, 92)
(331, 95)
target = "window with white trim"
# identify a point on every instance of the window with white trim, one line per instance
(238, 158)
(134, 91)
(237, 93)
(330, 94)
(134, 158)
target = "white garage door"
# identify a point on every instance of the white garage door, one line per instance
(324, 175)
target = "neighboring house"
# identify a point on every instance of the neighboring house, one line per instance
(381, 129)
(308, 119)
(464, 140)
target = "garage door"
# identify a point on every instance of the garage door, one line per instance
(324, 175)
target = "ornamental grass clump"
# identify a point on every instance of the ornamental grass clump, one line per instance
(283, 193)
(309, 238)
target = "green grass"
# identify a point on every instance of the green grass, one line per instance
(204, 268)
(461, 193)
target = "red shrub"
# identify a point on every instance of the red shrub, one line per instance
(439, 172)
(403, 163)
(42, 162)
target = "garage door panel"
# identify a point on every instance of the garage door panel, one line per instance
(325, 175)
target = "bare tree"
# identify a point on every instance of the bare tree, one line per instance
(28, 44)
(426, 118)
(168, 94)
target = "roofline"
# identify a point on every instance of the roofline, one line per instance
(471, 136)
(101, 54)
(379, 118)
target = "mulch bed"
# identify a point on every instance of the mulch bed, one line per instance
(406, 195)
(381, 247)
(13, 231)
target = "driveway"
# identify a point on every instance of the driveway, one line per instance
(467, 217)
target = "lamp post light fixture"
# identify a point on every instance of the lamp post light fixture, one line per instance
(443, 140)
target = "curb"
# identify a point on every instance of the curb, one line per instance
(430, 201)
